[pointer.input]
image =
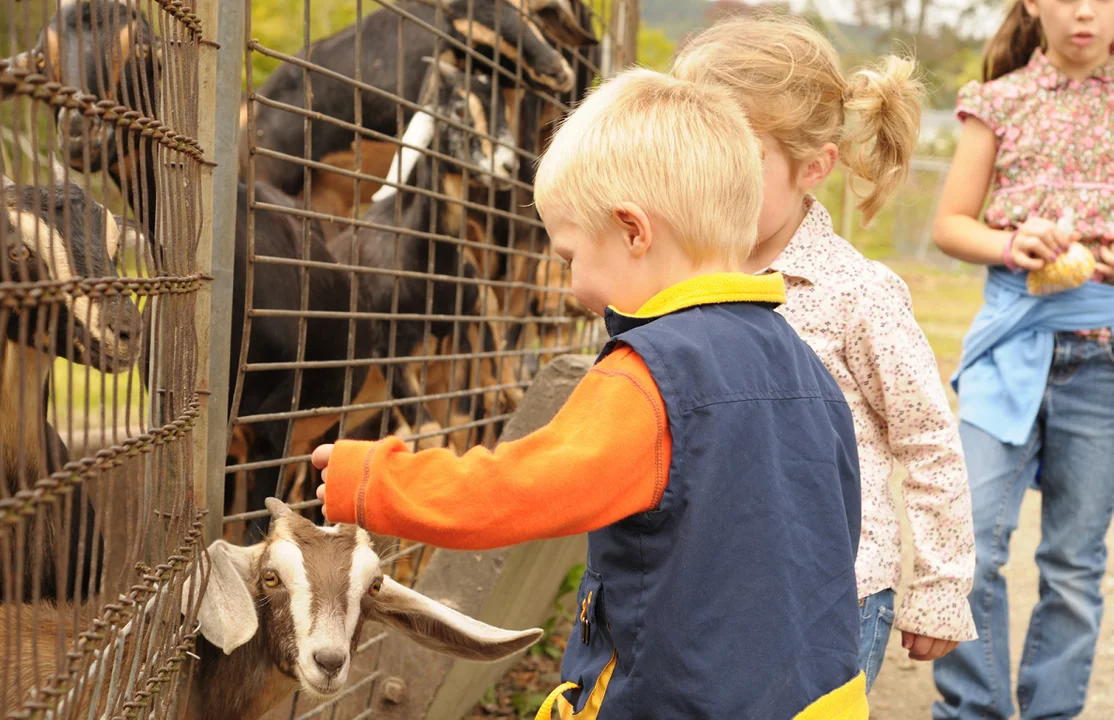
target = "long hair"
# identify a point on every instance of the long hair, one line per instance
(1013, 44)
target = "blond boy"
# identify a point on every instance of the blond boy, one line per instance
(708, 454)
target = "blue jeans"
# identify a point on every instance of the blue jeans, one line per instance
(876, 619)
(1073, 442)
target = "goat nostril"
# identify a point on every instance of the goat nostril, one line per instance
(330, 661)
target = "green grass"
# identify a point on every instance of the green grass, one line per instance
(92, 397)
(944, 302)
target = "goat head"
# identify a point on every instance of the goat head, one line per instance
(303, 595)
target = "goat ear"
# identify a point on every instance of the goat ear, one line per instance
(558, 20)
(227, 612)
(440, 628)
(278, 508)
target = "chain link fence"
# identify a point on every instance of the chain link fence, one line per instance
(190, 307)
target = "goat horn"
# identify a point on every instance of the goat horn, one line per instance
(278, 508)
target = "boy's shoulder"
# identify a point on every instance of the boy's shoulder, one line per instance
(729, 352)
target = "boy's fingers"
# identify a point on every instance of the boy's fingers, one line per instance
(321, 493)
(320, 457)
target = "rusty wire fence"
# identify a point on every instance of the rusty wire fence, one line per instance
(190, 306)
(99, 527)
(396, 279)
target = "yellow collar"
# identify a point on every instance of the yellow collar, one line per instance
(709, 289)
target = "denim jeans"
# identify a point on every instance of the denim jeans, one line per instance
(876, 619)
(1073, 443)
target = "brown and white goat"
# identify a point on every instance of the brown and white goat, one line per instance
(286, 614)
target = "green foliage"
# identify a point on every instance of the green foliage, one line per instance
(279, 25)
(568, 586)
(655, 49)
(527, 704)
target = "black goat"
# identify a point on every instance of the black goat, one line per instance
(278, 286)
(455, 288)
(45, 238)
(381, 33)
(105, 48)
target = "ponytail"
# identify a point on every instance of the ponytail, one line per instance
(886, 103)
(787, 76)
(1013, 44)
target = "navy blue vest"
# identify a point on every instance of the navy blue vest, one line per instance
(736, 597)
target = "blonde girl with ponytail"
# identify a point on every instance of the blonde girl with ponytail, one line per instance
(855, 313)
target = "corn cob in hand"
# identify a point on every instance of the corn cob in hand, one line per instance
(1072, 269)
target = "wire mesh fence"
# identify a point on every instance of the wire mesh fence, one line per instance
(389, 276)
(396, 279)
(98, 526)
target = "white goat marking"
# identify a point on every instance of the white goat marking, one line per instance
(419, 134)
(36, 233)
(506, 160)
(112, 235)
(365, 564)
(290, 565)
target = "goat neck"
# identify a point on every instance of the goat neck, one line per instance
(22, 409)
(244, 684)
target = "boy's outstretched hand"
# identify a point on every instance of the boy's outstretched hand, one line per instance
(920, 647)
(320, 460)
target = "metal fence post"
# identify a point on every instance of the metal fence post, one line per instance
(219, 78)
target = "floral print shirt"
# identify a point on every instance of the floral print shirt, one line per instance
(1055, 146)
(1055, 150)
(857, 315)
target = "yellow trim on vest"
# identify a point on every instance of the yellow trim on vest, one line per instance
(545, 712)
(715, 288)
(847, 702)
(591, 709)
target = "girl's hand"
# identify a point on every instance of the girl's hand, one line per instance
(320, 460)
(1105, 261)
(925, 648)
(1037, 243)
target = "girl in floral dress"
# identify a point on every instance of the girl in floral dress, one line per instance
(1036, 381)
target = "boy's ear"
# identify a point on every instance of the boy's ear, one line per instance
(817, 171)
(635, 224)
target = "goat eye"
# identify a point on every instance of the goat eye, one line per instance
(271, 579)
(18, 253)
(376, 586)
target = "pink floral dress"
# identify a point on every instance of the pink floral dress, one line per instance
(1055, 149)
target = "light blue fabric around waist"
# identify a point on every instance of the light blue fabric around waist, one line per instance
(1007, 353)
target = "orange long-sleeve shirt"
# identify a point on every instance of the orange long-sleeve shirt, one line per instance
(604, 457)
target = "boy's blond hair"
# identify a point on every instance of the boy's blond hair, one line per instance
(682, 152)
(787, 76)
